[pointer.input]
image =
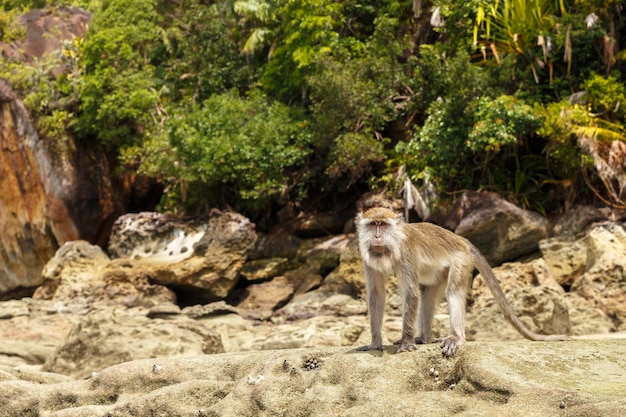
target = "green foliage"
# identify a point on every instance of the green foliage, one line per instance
(200, 53)
(444, 89)
(559, 121)
(501, 122)
(242, 102)
(118, 99)
(251, 145)
(10, 28)
(352, 155)
(606, 96)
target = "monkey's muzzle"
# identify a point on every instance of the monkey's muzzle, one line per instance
(377, 250)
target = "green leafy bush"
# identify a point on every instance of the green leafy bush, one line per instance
(250, 146)
(501, 122)
(118, 101)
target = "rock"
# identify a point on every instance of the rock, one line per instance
(316, 303)
(200, 260)
(154, 238)
(499, 229)
(577, 378)
(212, 309)
(576, 221)
(542, 310)
(220, 256)
(566, 259)
(163, 311)
(13, 308)
(264, 269)
(323, 256)
(28, 238)
(46, 29)
(280, 244)
(348, 277)
(514, 275)
(81, 275)
(604, 282)
(587, 319)
(268, 296)
(320, 224)
(30, 330)
(545, 306)
(265, 297)
(312, 332)
(108, 336)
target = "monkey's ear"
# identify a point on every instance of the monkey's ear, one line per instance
(400, 218)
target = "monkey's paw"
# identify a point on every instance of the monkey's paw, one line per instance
(406, 347)
(450, 344)
(369, 347)
(418, 341)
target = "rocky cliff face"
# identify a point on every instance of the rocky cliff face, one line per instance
(50, 194)
(48, 197)
(28, 237)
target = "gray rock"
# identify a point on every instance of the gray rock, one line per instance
(501, 230)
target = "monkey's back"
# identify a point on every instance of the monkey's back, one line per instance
(435, 240)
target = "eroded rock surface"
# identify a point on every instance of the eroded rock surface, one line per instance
(578, 378)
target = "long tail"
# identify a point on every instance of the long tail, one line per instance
(485, 270)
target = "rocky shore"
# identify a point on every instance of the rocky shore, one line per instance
(209, 317)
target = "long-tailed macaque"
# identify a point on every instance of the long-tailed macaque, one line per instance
(428, 260)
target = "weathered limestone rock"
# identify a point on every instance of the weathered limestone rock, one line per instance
(200, 258)
(501, 230)
(578, 378)
(567, 260)
(108, 336)
(604, 281)
(30, 330)
(81, 275)
(154, 237)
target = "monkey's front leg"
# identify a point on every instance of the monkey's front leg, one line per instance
(375, 283)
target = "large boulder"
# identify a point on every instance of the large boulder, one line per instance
(201, 259)
(29, 235)
(81, 275)
(501, 230)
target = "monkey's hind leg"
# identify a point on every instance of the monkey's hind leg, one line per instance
(455, 294)
(429, 295)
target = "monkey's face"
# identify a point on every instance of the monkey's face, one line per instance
(380, 236)
(377, 231)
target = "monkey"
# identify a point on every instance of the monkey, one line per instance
(428, 261)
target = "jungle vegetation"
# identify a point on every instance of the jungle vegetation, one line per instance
(267, 103)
